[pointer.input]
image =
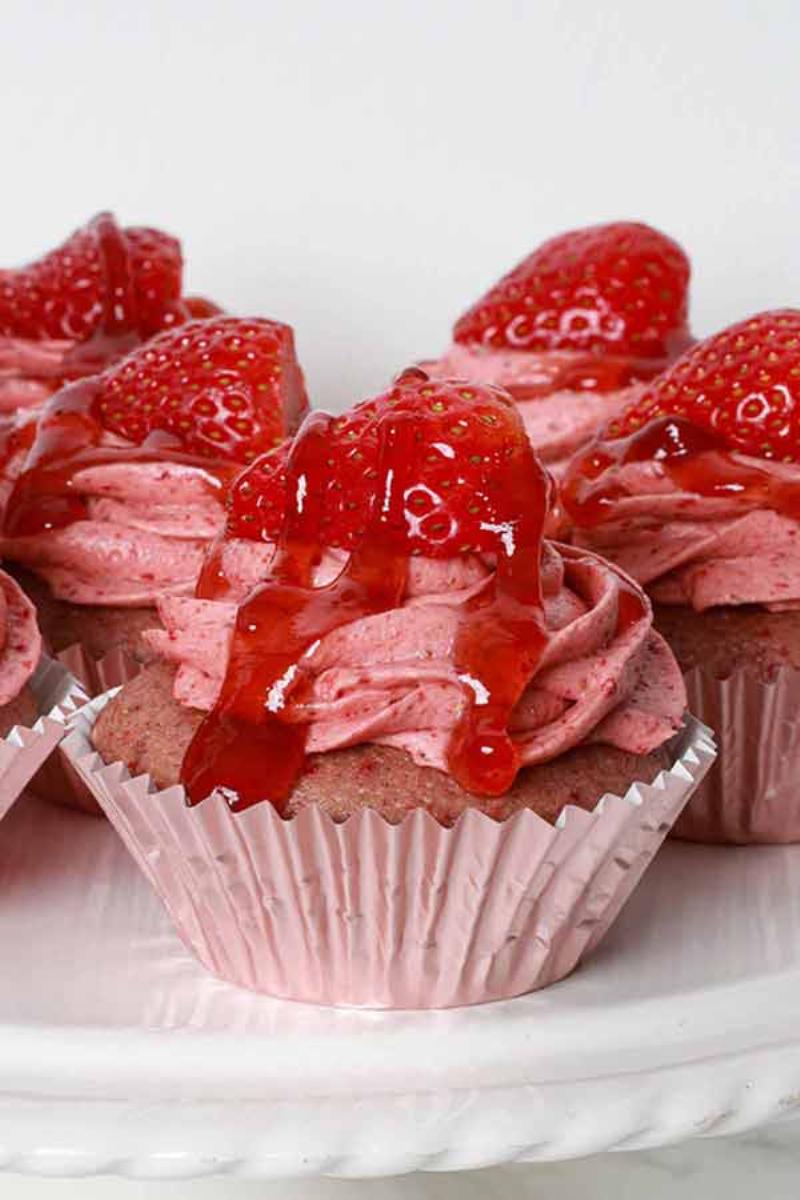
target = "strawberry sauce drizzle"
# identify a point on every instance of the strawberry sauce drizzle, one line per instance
(697, 460)
(212, 582)
(597, 373)
(252, 745)
(500, 640)
(68, 440)
(247, 743)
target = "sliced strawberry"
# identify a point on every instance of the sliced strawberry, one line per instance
(225, 387)
(614, 289)
(101, 274)
(743, 384)
(465, 436)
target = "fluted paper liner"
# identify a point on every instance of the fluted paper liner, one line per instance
(23, 751)
(95, 675)
(98, 675)
(752, 794)
(389, 916)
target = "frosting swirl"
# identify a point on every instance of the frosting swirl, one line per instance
(700, 550)
(604, 676)
(30, 370)
(147, 529)
(20, 641)
(562, 397)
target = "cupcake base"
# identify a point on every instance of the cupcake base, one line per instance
(100, 645)
(742, 674)
(366, 913)
(149, 731)
(23, 710)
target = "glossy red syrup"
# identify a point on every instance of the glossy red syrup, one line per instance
(631, 608)
(585, 373)
(212, 582)
(252, 746)
(248, 745)
(697, 460)
(500, 640)
(68, 440)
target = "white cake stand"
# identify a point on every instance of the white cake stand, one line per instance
(119, 1055)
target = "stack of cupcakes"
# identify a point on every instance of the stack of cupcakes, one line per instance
(371, 734)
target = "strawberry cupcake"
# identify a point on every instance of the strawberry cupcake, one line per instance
(574, 329)
(95, 298)
(428, 752)
(695, 492)
(36, 696)
(115, 489)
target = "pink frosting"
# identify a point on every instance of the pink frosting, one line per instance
(28, 371)
(390, 678)
(147, 530)
(557, 424)
(697, 550)
(20, 641)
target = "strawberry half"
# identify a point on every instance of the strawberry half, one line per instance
(101, 274)
(465, 437)
(615, 289)
(224, 387)
(743, 384)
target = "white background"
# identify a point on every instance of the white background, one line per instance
(364, 170)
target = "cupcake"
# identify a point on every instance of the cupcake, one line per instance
(573, 330)
(114, 490)
(35, 695)
(695, 492)
(427, 753)
(92, 300)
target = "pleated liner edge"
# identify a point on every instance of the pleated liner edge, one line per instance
(25, 750)
(364, 913)
(753, 792)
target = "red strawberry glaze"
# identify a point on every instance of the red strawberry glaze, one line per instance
(717, 423)
(69, 439)
(213, 393)
(536, 375)
(245, 742)
(695, 459)
(587, 373)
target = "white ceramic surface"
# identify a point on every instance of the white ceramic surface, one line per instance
(698, 1170)
(118, 1054)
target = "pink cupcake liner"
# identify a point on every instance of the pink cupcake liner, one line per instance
(95, 676)
(752, 794)
(364, 913)
(24, 751)
(98, 675)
